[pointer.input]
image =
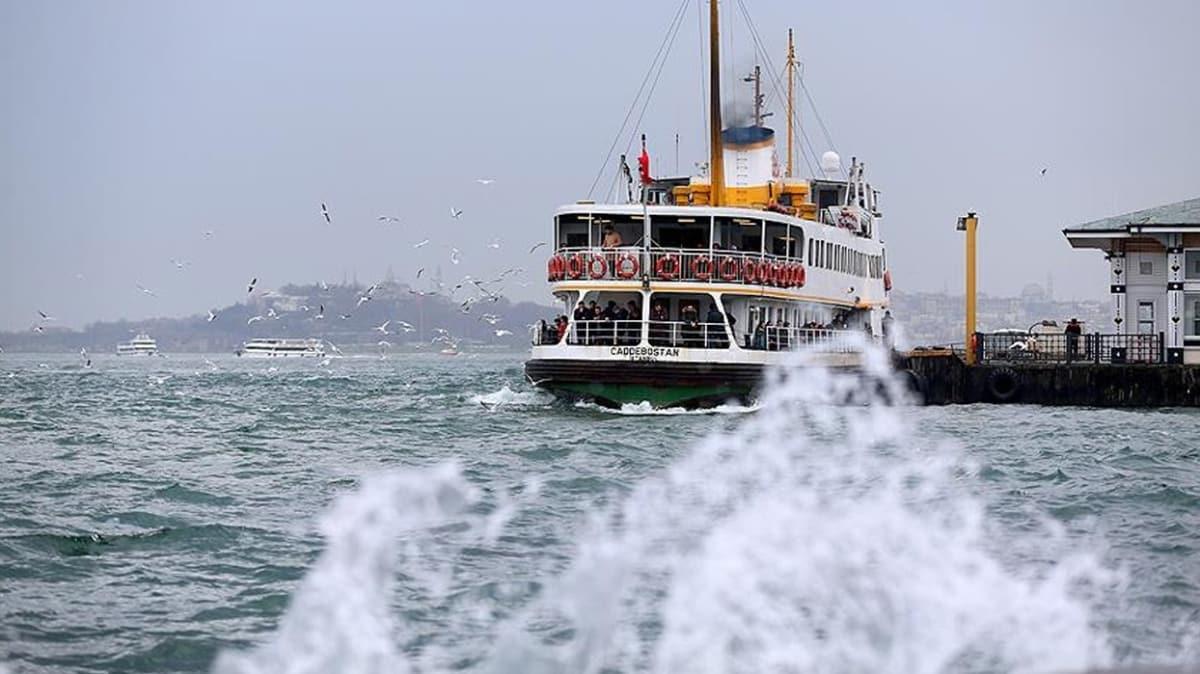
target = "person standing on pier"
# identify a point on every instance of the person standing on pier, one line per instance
(1073, 330)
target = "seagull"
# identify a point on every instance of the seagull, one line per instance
(387, 218)
(384, 344)
(420, 271)
(362, 300)
(324, 286)
(146, 290)
(344, 317)
(383, 328)
(454, 256)
(320, 313)
(537, 245)
(490, 319)
(325, 212)
(38, 328)
(502, 333)
(495, 244)
(405, 326)
(485, 181)
(208, 233)
(422, 244)
(271, 313)
(253, 319)
(1043, 171)
(45, 316)
(455, 213)
(87, 362)
(372, 289)
(212, 315)
(334, 348)
(179, 264)
(250, 288)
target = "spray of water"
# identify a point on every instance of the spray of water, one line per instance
(814, 537)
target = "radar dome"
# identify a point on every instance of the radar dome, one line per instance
(831, 164)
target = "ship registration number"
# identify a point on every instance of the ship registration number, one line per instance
(644, 353)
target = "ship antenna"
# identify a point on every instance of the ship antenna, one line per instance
(717, 161)
(756, 78)
(791, 102)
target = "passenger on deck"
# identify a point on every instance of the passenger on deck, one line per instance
(760, 336)
(691, 327)
(714, 328)
(560, 326)
(612, 238)
(659, 330)
(633, 318)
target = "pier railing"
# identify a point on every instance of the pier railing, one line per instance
(1065, 348)
(676, 264)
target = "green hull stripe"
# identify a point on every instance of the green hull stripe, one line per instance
(658, 396)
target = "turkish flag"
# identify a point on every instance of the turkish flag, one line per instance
(644, 166)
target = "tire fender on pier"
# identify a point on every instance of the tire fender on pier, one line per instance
(1003, 385)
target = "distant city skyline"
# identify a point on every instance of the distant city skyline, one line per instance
(131, 130)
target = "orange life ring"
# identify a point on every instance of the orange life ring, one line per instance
(777, 278)
(627, 266)
(552, 269)
(575, 266)
(749, 270)
(702, 267)
(887, 280)
(597, 267)
(728, 268)
(667, 267)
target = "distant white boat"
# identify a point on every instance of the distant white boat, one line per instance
(141, 345)
(449, 351)
(282, 348)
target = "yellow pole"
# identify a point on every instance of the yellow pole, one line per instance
(791, 115)
(970, 223)
(717, 162)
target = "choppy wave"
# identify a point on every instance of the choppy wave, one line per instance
(762, 549)
(507, 396)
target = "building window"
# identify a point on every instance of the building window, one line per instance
(1145, 318)
(1146, 268)
(1191, 265)
(1191, 319)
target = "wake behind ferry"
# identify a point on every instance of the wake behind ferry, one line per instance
(685, 294)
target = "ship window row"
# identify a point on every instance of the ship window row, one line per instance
(753, 235)
(836, 257)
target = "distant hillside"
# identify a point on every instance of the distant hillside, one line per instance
(295, 309)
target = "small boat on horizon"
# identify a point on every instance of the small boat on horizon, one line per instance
(140, 345)
(265, 347)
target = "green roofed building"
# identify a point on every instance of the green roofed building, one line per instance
(1154, 260)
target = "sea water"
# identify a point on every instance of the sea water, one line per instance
(425, 513)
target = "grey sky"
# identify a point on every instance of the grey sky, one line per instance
(129, 128)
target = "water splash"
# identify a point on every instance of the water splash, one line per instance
(813, 537)
(645, 409)
(507, 396)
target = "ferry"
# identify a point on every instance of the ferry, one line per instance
(685, 293)
(141, 345)
(282, 348)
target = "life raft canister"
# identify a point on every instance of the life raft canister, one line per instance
(728, 268)
(627, 266)
(551, 269)
(556, 267)
(702, 268)
(801, 276)
(887, 280)
(776, 274)
(575, 265)
(667, 267)
(597, 267)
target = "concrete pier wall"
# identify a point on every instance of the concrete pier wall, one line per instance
(942, 379)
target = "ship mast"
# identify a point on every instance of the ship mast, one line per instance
(791, 102)
(717, 161)
(756, 78)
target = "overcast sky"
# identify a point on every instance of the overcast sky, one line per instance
(127, 129)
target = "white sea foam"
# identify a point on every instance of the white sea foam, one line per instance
(645, 409)
(814, 537)
(507, 396)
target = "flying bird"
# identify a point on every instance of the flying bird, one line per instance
(45, 316)
(250, 288)
(324, 285)
(421, 244)
(383, 328)
(537, 245)
(495, 244)
(420, 271)
(405, 326)
(179, 264)
(454, 258)
(362, 300)
(387, 218)
(146, 290)
(325, 212)
(344, 317)
(254, 319)
(485, 181)
(208, 233)
(212, 315)
(455, 213)
(490, 319)
(271, 313)
(320, 313)
(1043, 170)
(502, 333)
(38, 328)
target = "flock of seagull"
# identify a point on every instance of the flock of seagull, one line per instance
(484, 290)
